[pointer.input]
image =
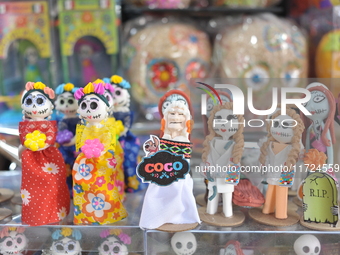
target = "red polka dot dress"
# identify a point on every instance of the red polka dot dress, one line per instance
(44, 191)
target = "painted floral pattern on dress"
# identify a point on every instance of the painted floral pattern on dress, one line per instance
(50, 168)
(25, 196)
(97, 205)
(84, 170)
(62, 213)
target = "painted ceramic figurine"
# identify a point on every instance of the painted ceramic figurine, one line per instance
(67, 105)
(129, 142)
(307, 244)
(222, 147)
(174, 203)
(114, 241)
(65, 241)
(319, 132)
(44, 191)
(96, 198)
(13, 241)
(184, 243)
(118, 128)
(282, 150)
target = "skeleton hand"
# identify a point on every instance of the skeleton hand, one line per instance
(335, 210)
(304, 207)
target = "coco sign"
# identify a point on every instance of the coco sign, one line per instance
(163, 168)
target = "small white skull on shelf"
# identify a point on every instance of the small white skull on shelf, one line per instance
(184, 243)
(307, 245)
(112, 246)
(66, 246)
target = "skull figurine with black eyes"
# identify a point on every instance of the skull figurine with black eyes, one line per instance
(13, 241)
(66, 246)
(65, 102)
(307, 245)
(111, 246)
(66, 241)
(36, 106)
(184, 243)
(115, 242)
(320, 124)
(93, 110)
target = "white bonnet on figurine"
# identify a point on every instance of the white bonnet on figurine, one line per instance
(316, 84)
(162, 55)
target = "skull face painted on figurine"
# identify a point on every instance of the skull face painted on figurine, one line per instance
(184, 243)
(14, 244)
(66, 246)
(307, 245)
(318, 106)
(93, 109)
(225, 123)
(112, 246)
(175, 118)
(109, 99)
(37, 106)
(121, 99)
(66, 104)
(282, 128)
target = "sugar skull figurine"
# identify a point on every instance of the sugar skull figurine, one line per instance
(67, 105)
(172, 203)
(247, 50)
(44, 191)
(66, 241)
(282, 150)
(319, 132)
(114, 241)
(130, 143)
(232, 247)
(184, 243)
(96, 198)
(119, 129)
(152, 71)
(13, 241)
(307, 244)
(224, 147)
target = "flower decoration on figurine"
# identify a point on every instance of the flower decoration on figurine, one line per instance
(115, 242)
(64, 136)
(66, 241)
(35, 141)
(92, 148)
(13, 241)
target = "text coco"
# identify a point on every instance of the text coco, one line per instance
(159, 167)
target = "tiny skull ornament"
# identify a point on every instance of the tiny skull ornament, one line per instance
(282, 128)
(13, 242)
(66, 104)
(307, 245)
(113, 246)
(66, 246)
(184, 243)
(37, 106)
(92, 109)
(121, 99)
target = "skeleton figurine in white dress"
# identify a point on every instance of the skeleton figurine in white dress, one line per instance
(222, 151)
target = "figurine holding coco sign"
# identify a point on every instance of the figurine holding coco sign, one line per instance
(169, 198)
(44, 191)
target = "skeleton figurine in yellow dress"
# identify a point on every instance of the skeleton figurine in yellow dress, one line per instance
(96, 198)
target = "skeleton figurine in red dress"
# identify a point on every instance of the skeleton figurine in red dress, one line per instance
(44, 191)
